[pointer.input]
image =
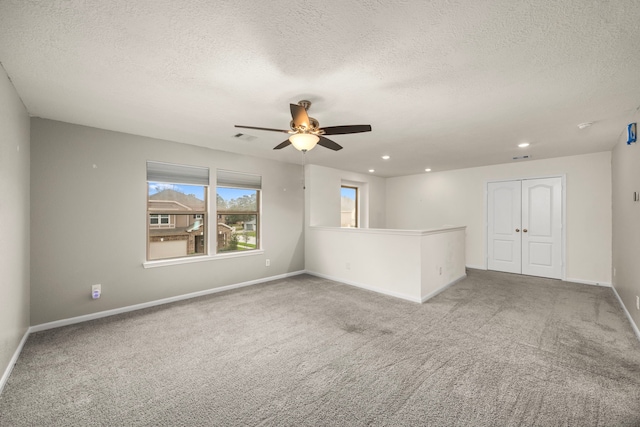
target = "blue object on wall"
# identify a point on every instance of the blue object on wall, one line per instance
(631, 133)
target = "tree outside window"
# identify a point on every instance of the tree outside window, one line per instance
(238, 219)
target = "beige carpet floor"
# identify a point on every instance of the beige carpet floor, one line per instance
(492, 350)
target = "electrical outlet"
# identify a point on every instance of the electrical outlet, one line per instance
(96, 291)
(638, 302)
(268, 262)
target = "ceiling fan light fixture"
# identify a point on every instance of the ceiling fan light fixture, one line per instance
(304, 141)
(305, 132)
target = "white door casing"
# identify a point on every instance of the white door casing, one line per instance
(524, 227)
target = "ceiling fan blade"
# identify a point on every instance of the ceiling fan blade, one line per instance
(326, 142)
(253, 127)
(282, 145)
(299, 115)
(341, 130)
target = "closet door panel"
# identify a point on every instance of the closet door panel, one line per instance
(503, 228)
(542, 227)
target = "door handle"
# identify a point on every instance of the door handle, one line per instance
(517, 230)
(524, 230)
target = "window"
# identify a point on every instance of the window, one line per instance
(176, 210)
(238, 211)
(158, 221)
(348, 206)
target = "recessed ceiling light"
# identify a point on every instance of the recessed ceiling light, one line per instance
(523, 145)
(427, 170)
(385, 157)
(372, 170)
(584, 125)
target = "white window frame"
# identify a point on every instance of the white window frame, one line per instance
(363, 200)
(212, 218)
(242, 181)
(356, 207)
(176, 174)
(171, 223)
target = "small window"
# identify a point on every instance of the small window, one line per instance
(161, 221)
(176, 210)
(349, 206)
(238, 211)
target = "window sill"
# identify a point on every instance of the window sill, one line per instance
(204, 258)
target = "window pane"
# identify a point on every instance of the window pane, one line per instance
(237, 232)
(236, 200)
(238, 221)
(174, 230)
(180, 236)
(176, 197)
(349, 207)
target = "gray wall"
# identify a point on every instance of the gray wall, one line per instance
(14, 221)
(625, 161)
(88, 223)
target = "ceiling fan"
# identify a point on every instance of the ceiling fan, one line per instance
(306, 131)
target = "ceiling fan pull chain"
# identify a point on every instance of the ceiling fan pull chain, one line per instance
(304, 152)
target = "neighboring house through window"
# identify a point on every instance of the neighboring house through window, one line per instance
(176, 210)
(238, 211)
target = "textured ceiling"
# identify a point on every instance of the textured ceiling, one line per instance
(444, 84)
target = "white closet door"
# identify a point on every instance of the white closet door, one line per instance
(504, 231)
(542, 227)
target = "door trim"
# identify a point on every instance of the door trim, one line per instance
(485, 219)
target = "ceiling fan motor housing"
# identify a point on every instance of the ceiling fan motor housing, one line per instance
(314, 126)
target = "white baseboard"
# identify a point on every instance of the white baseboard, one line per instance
(588, 282)
(633, 324)
(385, 291)
(568, 279)
(442, 288)
(106, 313)
(14, 360)
(367, 287)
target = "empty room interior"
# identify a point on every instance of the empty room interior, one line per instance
(320, 213)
